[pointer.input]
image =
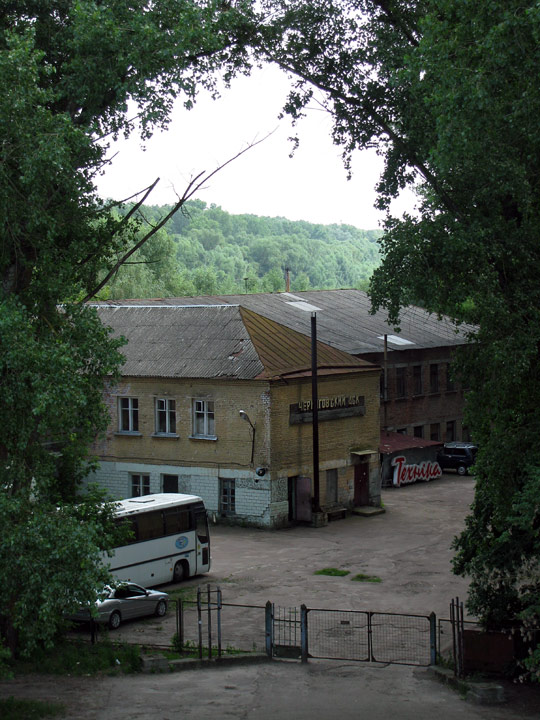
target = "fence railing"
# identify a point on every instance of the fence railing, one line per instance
(215, 627)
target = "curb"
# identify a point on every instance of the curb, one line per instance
(159, 663)
(479, 693)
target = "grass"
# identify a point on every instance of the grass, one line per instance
(333, 572)
(190, 649)
(361, 577)
(16, 709)
(80, 658)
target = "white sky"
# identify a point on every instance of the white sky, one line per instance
(311, 186)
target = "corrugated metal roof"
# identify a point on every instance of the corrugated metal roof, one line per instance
(395, 442)
(344, 320)
(216, 341)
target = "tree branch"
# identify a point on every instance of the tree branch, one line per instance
(192, 187)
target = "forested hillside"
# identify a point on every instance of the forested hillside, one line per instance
(205, 251)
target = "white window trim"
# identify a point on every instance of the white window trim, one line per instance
(140, 479)
(206, 415)
(131, 414)
(168, 432)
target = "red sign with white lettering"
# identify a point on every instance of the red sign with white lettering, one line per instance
(405, 474)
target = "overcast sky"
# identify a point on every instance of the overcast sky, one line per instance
(311, 186)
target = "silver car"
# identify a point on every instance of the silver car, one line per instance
(125, 602)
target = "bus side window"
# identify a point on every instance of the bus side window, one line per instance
(128, 530)
(176, 520)
(150, 525)
(202, 525)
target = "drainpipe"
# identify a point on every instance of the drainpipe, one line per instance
(315, 406)
(385, 383)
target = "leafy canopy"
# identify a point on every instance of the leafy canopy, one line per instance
(448, 93)
(70, 70)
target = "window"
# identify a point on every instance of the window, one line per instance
(140, 485)
(417, 380)
(203, 418)
(402, 431)
(150, 525)
(331, 486)
(433, 378)
(165, 416)
(435, 431)
(177, 520)
(401, 382)
(418, 431)
(450, 384)
(450, 430)
(227, 496)
(128, 414)
(170, 483)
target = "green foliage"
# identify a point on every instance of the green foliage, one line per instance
(68, 657)
(333, 572)
(362, 577)
(50, 564)
(448, 93)
(16, 708)
(246, 253)
(67, 72)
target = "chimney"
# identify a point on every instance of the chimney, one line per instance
(287, 280)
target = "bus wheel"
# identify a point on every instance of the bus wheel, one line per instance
(115, 620)
(180, 573)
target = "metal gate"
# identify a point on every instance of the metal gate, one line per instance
(395, 638)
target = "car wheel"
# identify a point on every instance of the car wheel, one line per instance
(115, 620)
(161, 608)
(462, 470)
(180, 573)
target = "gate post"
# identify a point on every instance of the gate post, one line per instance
(268, 624)
(304, 632)
(180, 623)
(433, 638)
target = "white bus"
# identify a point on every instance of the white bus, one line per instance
(169, 539)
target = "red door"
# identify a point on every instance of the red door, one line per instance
(361, 484)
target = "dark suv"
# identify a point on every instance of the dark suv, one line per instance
(457, 456)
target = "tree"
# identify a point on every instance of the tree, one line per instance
(447, 92)
(67, 72)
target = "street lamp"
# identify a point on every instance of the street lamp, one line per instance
(243, 414)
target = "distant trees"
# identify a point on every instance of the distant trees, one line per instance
(205, 251)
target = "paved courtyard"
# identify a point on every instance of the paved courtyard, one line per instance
(408, 548)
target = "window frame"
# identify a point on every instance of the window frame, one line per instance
(169, 415)
(131, 412)
(450, 383)
(401, 382)
(434, 384)
(207, 414)
(143, 481)
(418, 380)
(227, 496)
(332, 484)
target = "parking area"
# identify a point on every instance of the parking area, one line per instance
(408, 548)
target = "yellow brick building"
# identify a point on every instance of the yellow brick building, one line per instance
(217, 401)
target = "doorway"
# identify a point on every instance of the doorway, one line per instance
(299, 497)
(361, 484)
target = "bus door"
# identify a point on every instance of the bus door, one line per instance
(203, 541)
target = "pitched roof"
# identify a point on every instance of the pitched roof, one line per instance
(216, 341)
(344, 319)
